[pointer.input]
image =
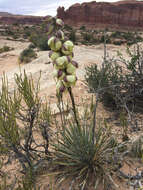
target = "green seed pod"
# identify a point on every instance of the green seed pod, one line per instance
(55, 73)
(54, 43)
(49, 29)
(61, 62)
(60, 35)
(51, 40)
(59, 22)
(67, 48)
(60, 87)
(71, 55)
(57, 45)
(59, 74)
(69, 80)
(71, 67)
(75, 64)
(54, 55)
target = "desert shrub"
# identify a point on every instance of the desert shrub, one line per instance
(87, 36)
(15, 36)
(134, 40)
(67, 27)
(103, 80)
(84, 42)
(77, 157)
(82, 28)
(15, 24)
(108, 41)
(128, 35)
(42, 43)
(27, 55)
(129, 43)
(72, 36)
(5, 49)
(139, 38)
(116, 34)
(119, 87)
(39, 41)
(137, 147)
(118, 43)
(31, 46)
(27, 32)
(22, 117)
(9, 32)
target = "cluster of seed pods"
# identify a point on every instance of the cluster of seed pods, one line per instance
(61, 55)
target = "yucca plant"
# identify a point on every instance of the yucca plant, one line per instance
(77, 157)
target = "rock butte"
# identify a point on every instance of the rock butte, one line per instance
(120, 15)
(11, 19)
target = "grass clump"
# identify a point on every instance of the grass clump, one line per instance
(27, 55)
(78, 158)
(72, 36)
(5, 49)
(137, 147)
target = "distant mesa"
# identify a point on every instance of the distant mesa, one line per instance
(127, 14)
(8, 18)
(5, 14)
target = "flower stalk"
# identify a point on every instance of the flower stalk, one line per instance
(61, 55)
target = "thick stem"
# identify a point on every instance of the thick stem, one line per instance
(60, 100)
(94, 118)
(73, 105)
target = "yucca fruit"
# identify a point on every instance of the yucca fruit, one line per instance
(67, 48)
(54, 55)
(59, 22)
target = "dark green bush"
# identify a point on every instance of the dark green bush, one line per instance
(129, 36)
(82, 28)
(118, 43)
(5, 49)
(103, 80)
(72, 36)
(67, 27)
(87, 36)
(39, 41)
(108, 41)
(31, 46)
(137, 147)
(123, 89)
(27, 55)
(116, 34)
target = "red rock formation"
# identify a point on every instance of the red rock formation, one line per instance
(124, 14)
(20, 19)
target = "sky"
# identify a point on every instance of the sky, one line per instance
(38, 7)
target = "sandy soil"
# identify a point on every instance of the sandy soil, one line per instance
(84, 55)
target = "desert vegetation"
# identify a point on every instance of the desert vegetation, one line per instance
(74, 149)
(27, 55)
(5, 49)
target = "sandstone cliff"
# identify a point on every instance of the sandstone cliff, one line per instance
(20, 19)
(124, 14)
